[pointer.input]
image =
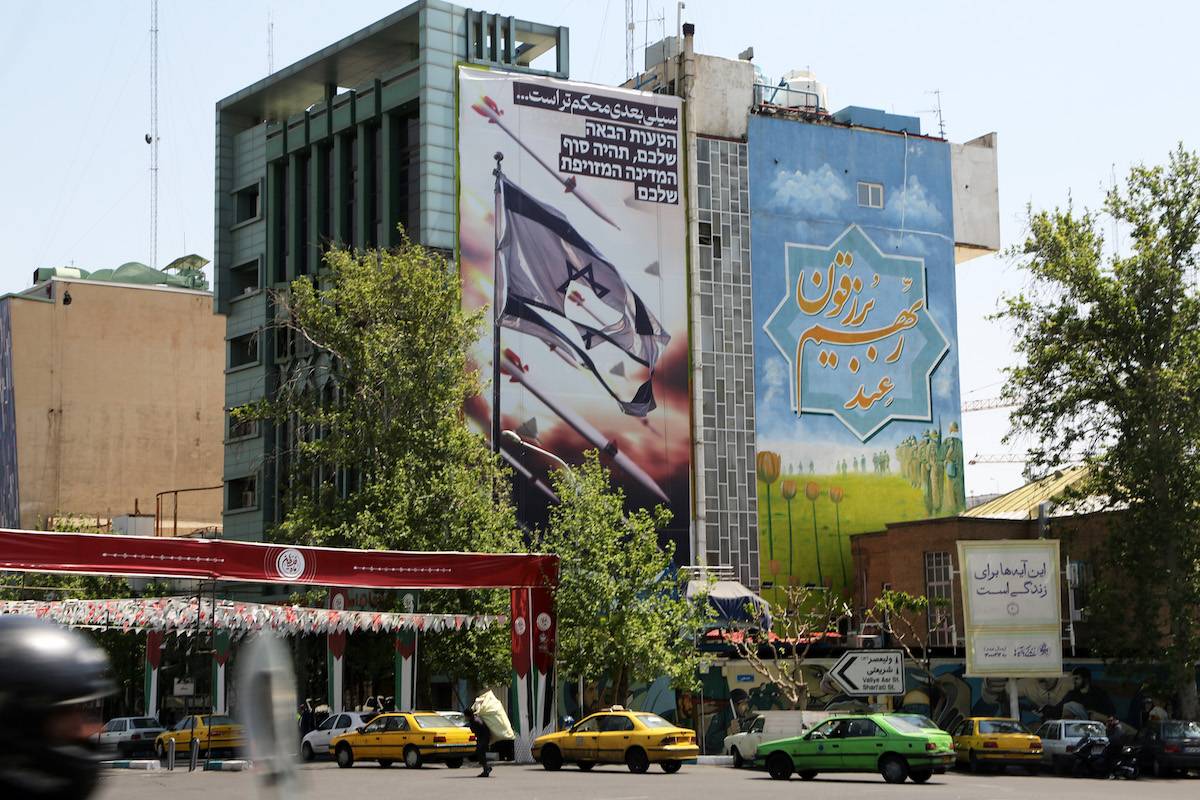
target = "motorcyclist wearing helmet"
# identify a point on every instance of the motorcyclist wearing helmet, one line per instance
(46, 672)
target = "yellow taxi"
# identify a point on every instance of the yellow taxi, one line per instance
(212, 731)
(994, 741)
(412, 737)
(616, 735)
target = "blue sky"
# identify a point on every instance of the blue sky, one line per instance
(1076, 91)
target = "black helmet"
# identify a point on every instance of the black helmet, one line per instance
(45, 671)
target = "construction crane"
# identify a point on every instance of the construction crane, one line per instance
(997, 458)
(987, 404)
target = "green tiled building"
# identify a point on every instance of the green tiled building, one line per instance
(341, 146)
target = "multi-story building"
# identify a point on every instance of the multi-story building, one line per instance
(341, 146)
(110, 397)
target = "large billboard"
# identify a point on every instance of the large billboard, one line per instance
(571, 232)
(856, 353)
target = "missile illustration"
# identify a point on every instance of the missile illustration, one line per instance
(512, 366)
(489, 110)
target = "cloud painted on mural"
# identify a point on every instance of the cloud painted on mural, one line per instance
(911, 206)
(819, 191)
(775, 373)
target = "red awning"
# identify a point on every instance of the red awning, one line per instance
(209, 559)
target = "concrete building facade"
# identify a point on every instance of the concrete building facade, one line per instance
(111, 393)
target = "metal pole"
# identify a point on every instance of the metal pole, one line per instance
(1014, 705)
(497, 308)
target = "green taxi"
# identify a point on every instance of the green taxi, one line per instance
(897, 746)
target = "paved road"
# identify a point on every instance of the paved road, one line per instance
(615, 783)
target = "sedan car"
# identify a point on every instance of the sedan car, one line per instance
(128, 735)
(1169, 745)
(993, 741)
(213, 732)
(413, 737)
(897, 746)
(615, 735)
(1060, 737)
(317, 742)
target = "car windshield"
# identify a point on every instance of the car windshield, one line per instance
(1001, 726)
(654, 721)
(433, 721)
(1181, 730)
(144, 722)
(912, 723)
(1077, 730)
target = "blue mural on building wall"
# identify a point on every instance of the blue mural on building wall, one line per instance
(856, 357)
(10, 501)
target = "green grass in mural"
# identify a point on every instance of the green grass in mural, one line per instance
(868, 503)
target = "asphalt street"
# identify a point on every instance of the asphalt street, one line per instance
(615, 783)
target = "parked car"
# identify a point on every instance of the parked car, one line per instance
(1060, 737)
(414, 737)
(317, 742)
(897, 746)
(767, 726)
(616, 735)
(1168, 746)
(993, 741)
(128, 735)
(215, 732)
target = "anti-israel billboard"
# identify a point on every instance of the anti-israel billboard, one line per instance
(856, 352)
(571, 231)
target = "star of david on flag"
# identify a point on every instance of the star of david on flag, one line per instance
(540, 256)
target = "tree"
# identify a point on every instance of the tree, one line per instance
(378, 454)
(1110, 376)
(623, 611)
(905, 620)
(804, 617)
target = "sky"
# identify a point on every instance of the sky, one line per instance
(1077, 92)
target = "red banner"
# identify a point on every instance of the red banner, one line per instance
(154, 645)
(520, 632)
(545, 630)
(97, 554)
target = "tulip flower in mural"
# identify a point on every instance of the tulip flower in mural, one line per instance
(769, 464)
(836, 494)
(788, 490)
(812, 491)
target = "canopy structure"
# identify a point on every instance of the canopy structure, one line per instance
(735, 605)
(183, 615)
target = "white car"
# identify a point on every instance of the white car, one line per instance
(1061, 736)
(317, 742)
(767, 727)
(128, 735)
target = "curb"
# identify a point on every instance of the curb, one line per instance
(714, 761)
(230, 765)
(131, 763)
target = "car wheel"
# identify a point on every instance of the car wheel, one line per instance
(344, 756)
(973, 763)
(920, 775)
(1059, 764)
(1161, 770)
(636, 760)
(306, 752)
(779, 766)
(671, 767)
(738, 761)
(893, 769)
(384, 763)
(454, 763)
(584, 766)
(552, 760)
(412, 758)
(808, 774)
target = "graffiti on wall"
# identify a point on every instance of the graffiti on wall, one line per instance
(856, 363)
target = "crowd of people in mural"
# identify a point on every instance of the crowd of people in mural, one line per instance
(935, 466)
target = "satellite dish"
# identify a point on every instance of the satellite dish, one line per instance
(268, 691)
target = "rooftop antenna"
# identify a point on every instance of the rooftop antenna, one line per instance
(152, 137)
(270, 42)
(937, 93)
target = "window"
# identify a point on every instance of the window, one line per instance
(653, 721)
(343, 721)
(589, 725)
(241, 429)
(938, 589)
(870, 195)
(327, 724)
(141, 723)
(615, 723)
(375, 726)
(432, 721)
(860, 729)
(243, 279)
(246, 204)
(1079, 579)
(1001, 726)
(242, 493)
(395, 724)
(243, 350)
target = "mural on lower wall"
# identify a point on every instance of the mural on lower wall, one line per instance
(733, 695)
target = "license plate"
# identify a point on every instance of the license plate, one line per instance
(1191, 749)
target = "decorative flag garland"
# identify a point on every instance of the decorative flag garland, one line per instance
(184, 615)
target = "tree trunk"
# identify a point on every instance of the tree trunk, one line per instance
(1189, 703)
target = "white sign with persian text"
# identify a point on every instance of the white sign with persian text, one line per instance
(1010, 584)
(1015, 653)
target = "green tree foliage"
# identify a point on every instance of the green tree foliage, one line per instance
(623, 613)
(380, 456)
(1110, 376)
(904, 619)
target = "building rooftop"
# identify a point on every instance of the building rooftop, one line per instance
(1023, 503)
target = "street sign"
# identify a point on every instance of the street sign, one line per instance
(864, 673)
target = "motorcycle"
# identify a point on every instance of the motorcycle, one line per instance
(1098, 758)
(1123, 761)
